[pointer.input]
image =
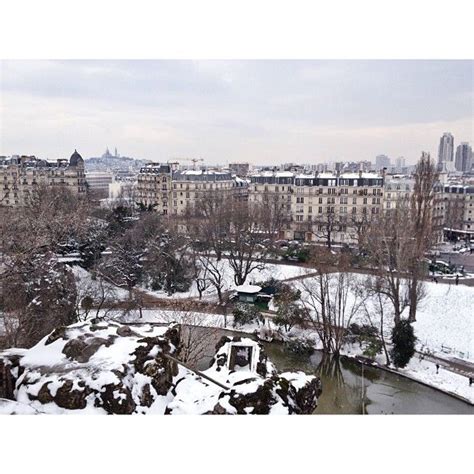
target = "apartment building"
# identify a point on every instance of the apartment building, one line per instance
(316, 204)
(175, 192)
(456, 210)
(20, 176)
(397, 188)
(191, 186)
(154, 187)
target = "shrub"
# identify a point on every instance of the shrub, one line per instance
(403, 340)
(373, 346)
(246, 314)
(289, 315)
(301, 346)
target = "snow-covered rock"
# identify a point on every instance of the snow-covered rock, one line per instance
(97, 368)
(257, 389)
(121, 369)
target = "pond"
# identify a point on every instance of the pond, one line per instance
(350, 388)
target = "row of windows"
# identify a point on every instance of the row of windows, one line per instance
(331, 210)
(343, 200)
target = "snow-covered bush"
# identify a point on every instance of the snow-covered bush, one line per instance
(246, 314)
(301, 346)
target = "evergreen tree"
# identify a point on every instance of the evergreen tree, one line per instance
(403, 340)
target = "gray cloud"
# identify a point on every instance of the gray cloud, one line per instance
(261, 111)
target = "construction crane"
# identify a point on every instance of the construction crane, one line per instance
(194, 160)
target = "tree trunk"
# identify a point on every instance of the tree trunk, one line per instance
(384, 345)
(413, 300)
(239, 279)
(219, 293)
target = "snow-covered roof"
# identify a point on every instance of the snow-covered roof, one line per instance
(201, 172)
(240, 180)
(248, 288)
(327, 175)
(305, 176)
(361, 175)
(284, 174)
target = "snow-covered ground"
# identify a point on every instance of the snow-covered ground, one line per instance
(445, 318)
(86, 284)
(270, 270)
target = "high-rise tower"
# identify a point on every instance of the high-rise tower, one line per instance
(446, 152)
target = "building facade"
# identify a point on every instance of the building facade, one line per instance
(456, 208)
(20, 177)
(397, 188)
(463, 157)
(169, 191)
(320, 204)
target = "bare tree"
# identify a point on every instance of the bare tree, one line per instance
(249, 239)
(275, 215)
(198, 334)
(359, 225)
(239, 231)
(377, 304)
(391, 248)
(422, 228)
(209, 222)
(95, 296)
(214, 270)
(201, 276)
(332, 300)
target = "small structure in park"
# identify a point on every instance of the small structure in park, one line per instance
(248, 293)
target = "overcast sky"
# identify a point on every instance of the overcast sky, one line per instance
(257, 111)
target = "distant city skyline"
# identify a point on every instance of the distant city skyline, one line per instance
(262, 112)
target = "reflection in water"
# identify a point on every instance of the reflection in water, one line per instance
(339, 393)
(350, 388)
